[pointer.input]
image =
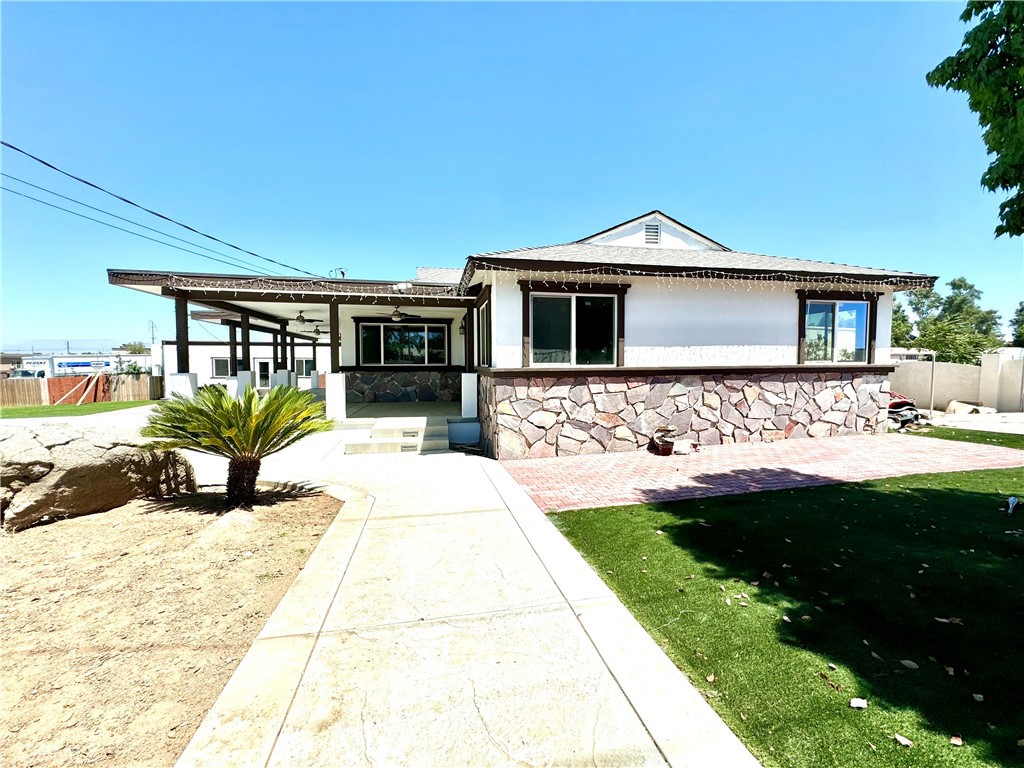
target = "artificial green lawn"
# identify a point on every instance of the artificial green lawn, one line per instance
(859, 569)
(37, 411)
(971, 436)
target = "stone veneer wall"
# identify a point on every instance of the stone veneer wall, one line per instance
(545, 416)
(402, 386)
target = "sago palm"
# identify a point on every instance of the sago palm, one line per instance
(244, 429)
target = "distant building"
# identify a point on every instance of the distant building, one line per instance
(81, 364)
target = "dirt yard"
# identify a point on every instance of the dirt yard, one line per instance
(119, 630)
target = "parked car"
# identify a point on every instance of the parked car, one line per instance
(22, 373)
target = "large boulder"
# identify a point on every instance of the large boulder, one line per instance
(60, 470)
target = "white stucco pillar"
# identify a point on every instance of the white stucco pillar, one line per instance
(277, 378)
(314, 379)
(469, 396)
(245, 380)
(181, 383)
(334, 396)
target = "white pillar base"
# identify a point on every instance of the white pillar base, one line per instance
(314, 379)
(181, 384)
(278, 378)
(469, 395)
(335, 395)
(245, 380)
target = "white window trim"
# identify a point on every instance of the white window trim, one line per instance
(298, 368)
(835, 330)
(426, 363)
(572, 331)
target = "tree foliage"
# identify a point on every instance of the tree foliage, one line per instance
(902, 328)
(1017, 326)
(989, 68)
(244, 430)
(954, 325)
(135, 347)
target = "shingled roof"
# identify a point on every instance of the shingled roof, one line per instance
(617, 259)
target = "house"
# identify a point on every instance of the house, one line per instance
(586, 346)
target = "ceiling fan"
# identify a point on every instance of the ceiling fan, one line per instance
(398, 315)
(302, 320)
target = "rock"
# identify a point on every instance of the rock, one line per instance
(638, 394)
(759, 409)
(512, 445)
(610, 402)
(531, 432)
(523, 408)
(623, 433)
(712, 401)
(59, 471)
(580, 395)
(610, 420)
(819, 429)
(542, 419)
(710, 437)
(707, 413)
(576, 431)
(542, 450)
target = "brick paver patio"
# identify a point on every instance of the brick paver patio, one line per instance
(581, 482)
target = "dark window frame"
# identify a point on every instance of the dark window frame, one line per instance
(558, 288)
(805, 296)
(384, 321)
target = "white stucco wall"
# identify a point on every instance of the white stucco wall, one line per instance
(694, 323)
(688, 322)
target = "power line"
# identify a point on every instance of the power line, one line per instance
(150, 211)
(241, 262)
(122, 229)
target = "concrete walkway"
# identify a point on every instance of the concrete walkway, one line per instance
(613, 479)
(443, 621)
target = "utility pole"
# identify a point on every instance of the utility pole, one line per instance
(68, 343)
(152, 334)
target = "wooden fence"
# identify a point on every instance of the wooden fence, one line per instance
(135, 386)
(23, 392)
(117, 388)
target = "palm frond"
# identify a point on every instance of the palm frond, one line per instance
(250, 426)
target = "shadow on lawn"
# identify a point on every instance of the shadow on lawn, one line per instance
(881, 562)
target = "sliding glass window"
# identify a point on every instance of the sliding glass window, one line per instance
(572, 330)
(403, 344)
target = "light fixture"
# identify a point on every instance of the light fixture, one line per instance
(316, 330)
(462, 327)
(300, 319)
(397, 315)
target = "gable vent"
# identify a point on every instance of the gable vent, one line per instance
(652, 233)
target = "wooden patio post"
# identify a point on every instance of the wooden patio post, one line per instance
(232, 351)
(246, 350)
(282, 363)
(335, 342)
(181, 333)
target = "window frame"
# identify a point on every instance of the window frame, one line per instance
(483, 332)
(616, 291)
(213, 367)
(836, 298)
(444, 323)
(299, 360)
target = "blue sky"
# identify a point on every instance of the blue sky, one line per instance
(380, 137)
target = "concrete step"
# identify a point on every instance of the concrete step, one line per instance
(381, 445)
